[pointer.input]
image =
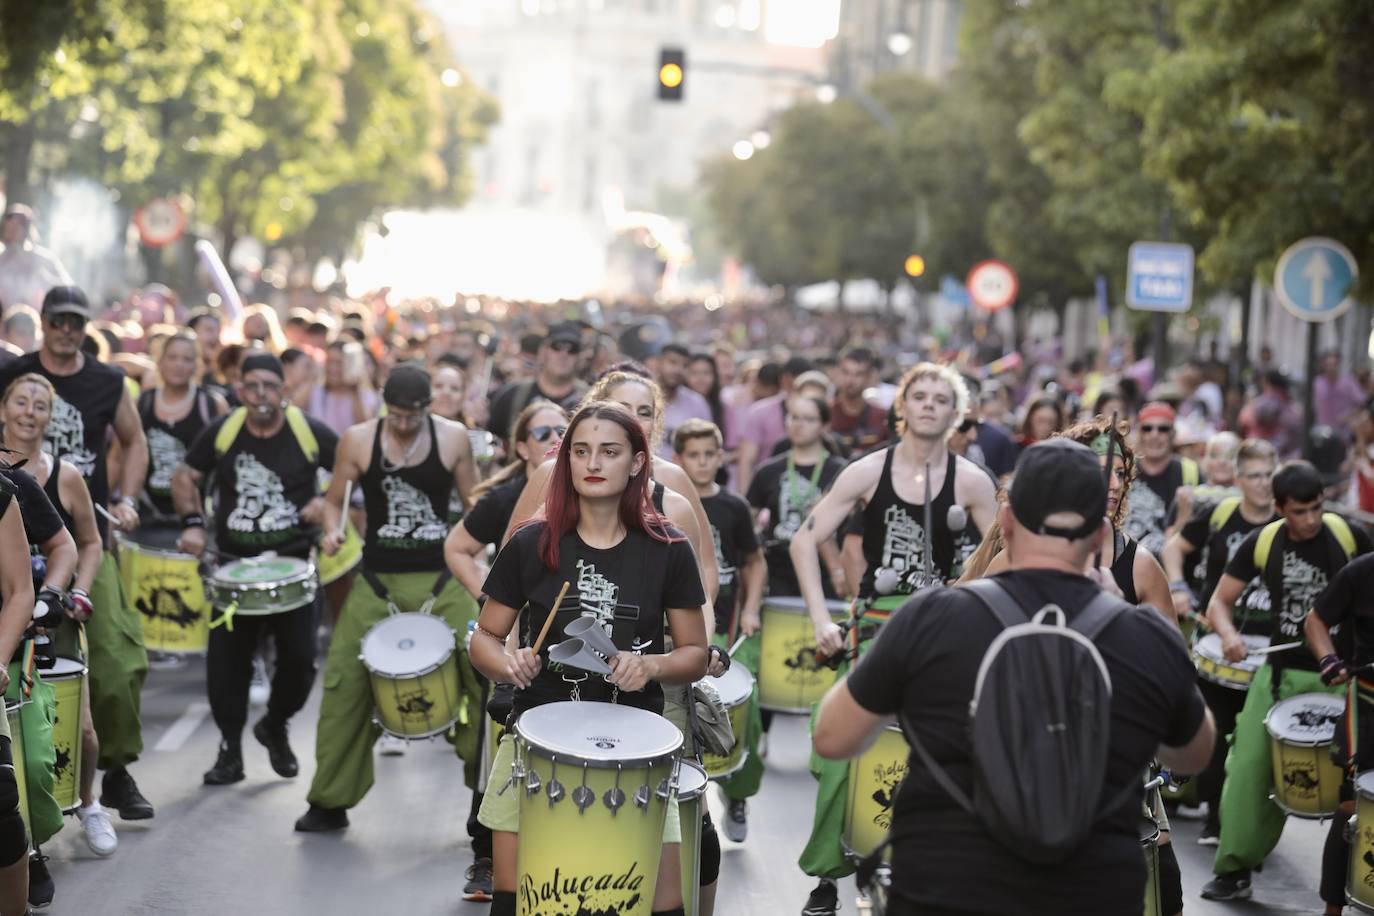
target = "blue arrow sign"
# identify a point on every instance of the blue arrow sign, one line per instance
(1314, 278)
(1159, 277)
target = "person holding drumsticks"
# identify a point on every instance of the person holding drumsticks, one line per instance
(266, 467)
(630, 570)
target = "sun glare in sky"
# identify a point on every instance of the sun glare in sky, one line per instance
(802, 23)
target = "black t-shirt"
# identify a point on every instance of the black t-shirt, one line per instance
(732, 530)
(1346, 600)
(1295, 575)
(924, 664)
(261, 486)
(509, 400)
(41, 520)
(1252, 610)
(1149, 501)
(628, 588)
(486, 521)
(788, 492)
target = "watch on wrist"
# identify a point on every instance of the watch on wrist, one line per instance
(1178, 585)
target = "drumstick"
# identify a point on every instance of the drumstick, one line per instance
(343, 515)
(1282, 647)
(105, 512)
(739, 642)
(553, 612)
(930, 537)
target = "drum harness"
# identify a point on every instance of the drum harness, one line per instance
(426, 607)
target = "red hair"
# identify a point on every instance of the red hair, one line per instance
(562, 505)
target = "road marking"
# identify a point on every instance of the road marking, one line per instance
(183, 728)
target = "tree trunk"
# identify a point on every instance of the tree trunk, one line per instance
(18, 155)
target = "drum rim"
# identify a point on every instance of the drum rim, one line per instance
(713, 681)
(692, 793)
(397, 675)
(214, 581)
(377, 721)
(1210, 639)
(533, 745)
(836, 607)
(48, 677)
(1298, 742)
(133, 546)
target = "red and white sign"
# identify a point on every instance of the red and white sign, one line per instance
(992, 285)
(160, 222)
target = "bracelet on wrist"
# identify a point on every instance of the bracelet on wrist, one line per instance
(485, 632)
(1178, 585)
(129, 501)
(192, 520)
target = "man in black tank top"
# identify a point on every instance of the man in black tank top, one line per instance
(406, 463)
(906, 548)
(91, 401)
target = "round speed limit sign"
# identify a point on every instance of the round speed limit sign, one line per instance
(160, 222)
(992, 285)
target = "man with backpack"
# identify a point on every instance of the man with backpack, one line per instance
(986, 821)
(1295, 557)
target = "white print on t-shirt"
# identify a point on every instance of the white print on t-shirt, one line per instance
(904, 551)
(409, 514)
(165, 452)
(1145, 517)
(596, 594)
(260, 499)
(67, 436)
(1302, 583)
(727, 573)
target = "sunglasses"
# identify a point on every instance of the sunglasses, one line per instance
(1156, 429)
(67, 321)
(545, 433)
(564, 346)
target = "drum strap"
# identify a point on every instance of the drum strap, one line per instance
(426, 607)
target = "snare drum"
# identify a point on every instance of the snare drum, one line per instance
(1213, 666)
(21, 777)
(1359, 882)
(410, 661)
(874, 778)
(259, 586)
(1149, 845)
(790, 677)
(68, 680)
(691, 797)
(595, 782)
(1302, 730)
(164, 585)
(735, 687)
(335, 566)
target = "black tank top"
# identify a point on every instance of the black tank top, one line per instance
(895, 538)
(50, 489)
(1123, 566)
(657, 496)
(406, 511)
(167, 444)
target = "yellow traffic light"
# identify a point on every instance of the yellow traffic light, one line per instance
(915, 265)
(670, 75)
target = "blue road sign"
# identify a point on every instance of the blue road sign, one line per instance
(954, 291)
(1159, 277)
(1314, 278)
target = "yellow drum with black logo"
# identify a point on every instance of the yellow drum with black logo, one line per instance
(68, 680)
(595, 782)
(1212, 664)
(411, 663)
(791, 678)
(874, 778)
(341, 563)
(735, 687)
(12, 708)
(1302, 731)
(164, 585)
(691, 797)
(1359, 880)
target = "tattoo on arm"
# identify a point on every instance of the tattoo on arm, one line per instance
(810, 523)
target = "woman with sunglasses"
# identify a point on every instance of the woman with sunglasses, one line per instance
(599, 531)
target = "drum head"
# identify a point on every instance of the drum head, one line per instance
(406, 644)
(794, 605)
(1307, 719)
(265, 571)
(599, 734)
(1209, 646)
(63, 667)
(691, 780)
(158, 538)
(734, 686)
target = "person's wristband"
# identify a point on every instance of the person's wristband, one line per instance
(193, 520)
(81, 599)
(1331, 667)
(130, 502)
(1178, 585)
(719, 652)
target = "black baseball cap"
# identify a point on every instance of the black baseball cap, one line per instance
(260, 360)
(1059, 475)
(67, 300)
(407, 387)
(566, 332)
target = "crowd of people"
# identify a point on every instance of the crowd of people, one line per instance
(656, 480)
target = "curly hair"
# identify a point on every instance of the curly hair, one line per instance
(1088, 432)
(602, 388)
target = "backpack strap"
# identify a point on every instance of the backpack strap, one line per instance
(1222, 512)
(1099, 614)
(145, 402)
(998, 601)
(1340, 529)
(1265, 544)
(233, 425)
(1190, 472)
(305, 436)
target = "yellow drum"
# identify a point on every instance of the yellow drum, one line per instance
(790, 677)
(12, 708)
(1302, 730)
(1359, 881)
(1149, 845)
(1213, 666)
(735, 687)
(691, 799)
(341, 563)
(874, 778)
(68, 680)
(410, 659)
(595, 782)
(164, 584)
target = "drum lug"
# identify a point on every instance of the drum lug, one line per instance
(641, 798)
(665, 790)
(1352, 828)
(532, 783)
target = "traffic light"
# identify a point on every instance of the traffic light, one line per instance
(672, 74)
(914, 266)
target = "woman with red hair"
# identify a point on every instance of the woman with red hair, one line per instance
(600, 532)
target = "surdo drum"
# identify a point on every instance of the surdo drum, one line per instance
(734, 687)
(413, 670)
(1213, 666)
(691, 796)
(874, 778)
(164, 586)
(791, 678)
(1302, 731)
(68, 680)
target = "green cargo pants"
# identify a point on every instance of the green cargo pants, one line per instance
(36, 718)
(119, 665)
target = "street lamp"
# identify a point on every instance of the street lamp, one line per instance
(743, 150)
(826, 93)
(899, 43)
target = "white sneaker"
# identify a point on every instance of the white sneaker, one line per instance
(99, 830)
(259, 688)
(390, 746)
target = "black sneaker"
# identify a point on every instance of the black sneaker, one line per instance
(824, 900)
(1233, 886)
(278, 750)
(119, 791)
(228, 766)
(737, 821)
(1211, 833)
(323, 820)
(478, 887)
(41, 887)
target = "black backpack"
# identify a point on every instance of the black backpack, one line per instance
(1040, 727)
